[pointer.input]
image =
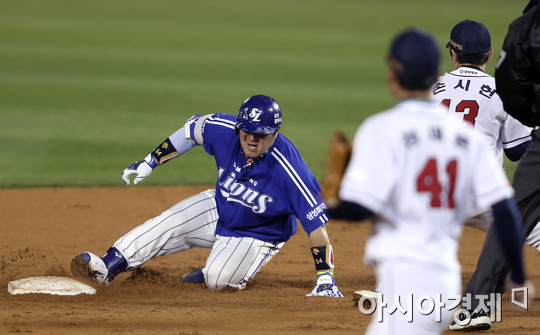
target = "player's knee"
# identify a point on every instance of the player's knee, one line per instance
(219, 280)
(213, 280)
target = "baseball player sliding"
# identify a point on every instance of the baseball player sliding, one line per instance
(417, 173)
(263, 187)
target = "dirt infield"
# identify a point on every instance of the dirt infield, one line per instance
(43, 229)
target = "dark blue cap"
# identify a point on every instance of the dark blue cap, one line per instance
(417, 53)
(470, 37)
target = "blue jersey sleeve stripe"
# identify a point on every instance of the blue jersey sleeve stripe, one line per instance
(215, 117)
(293, 179)
(311, 203)
(219, 119)
(322, 219)
(220, 124)
(297, 176)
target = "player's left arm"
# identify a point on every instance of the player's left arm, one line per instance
(516, 138)
(515, 153)
(306, 203)
(323, 256)
(319, 237)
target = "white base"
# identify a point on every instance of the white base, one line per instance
(366, 293)
(49, 285)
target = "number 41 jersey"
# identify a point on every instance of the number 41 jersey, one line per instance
(470, 95)
(423, 173)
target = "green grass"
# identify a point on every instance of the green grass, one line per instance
(88, 87)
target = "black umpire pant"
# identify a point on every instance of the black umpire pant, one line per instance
(493, 268)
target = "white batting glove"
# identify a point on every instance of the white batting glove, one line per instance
(326, 287)
(141, 169)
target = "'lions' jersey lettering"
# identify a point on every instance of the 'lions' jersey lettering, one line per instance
(238, 192)
(262, 200)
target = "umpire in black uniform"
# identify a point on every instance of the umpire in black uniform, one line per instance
(517, 77)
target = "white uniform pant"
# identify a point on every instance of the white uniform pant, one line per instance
(534, 237)
(402, 278)
(191, 223)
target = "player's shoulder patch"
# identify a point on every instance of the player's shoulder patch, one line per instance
(195, 127)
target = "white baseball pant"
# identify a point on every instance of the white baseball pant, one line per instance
(403, 277)
(191, 223)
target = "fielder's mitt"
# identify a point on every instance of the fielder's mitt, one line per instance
(337, 159)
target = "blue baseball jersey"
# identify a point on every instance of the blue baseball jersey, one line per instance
(263, 200)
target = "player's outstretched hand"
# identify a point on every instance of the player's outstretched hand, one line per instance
(326, 287)
(141, 169)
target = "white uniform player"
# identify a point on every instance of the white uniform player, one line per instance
(470, 95)
(420, 181)
(418, 172)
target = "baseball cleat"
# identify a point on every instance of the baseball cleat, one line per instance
(87, 265)
(479, 321)
(80, 266)
(194, 276)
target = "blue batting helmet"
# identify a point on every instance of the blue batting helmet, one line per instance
(259, 114)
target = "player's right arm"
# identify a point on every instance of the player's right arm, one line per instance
(183, 140)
